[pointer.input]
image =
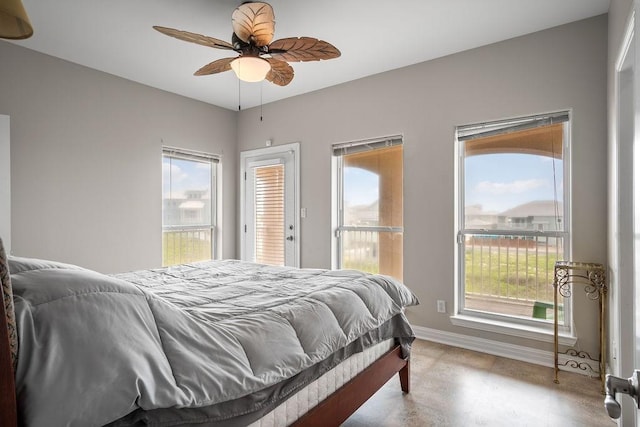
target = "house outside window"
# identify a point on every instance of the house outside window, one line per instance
(368, 214)
(513, 219)
(188, 206)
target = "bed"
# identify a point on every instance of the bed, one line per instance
(220, 343)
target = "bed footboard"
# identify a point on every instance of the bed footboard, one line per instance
(336, 408)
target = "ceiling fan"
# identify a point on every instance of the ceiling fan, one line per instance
(259, 58)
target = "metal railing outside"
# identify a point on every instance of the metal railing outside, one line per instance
(184, 244)
(361, 247)
(510, 273)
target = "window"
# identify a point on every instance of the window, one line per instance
(512, 218)
(368, 210)
(188, 206)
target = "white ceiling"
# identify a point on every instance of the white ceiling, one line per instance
(115, 36)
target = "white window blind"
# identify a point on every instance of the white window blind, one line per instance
(269, 214)
(179, 153)
(353, 147)
(488, 129)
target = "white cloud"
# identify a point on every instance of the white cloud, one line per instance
(514, 187)
(173, 173)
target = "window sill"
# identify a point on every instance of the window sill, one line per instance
(506, 328)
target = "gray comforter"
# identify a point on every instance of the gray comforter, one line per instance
(94, 348)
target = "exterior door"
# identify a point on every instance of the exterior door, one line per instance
(269, 220)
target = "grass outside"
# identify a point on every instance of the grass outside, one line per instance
(180, 247)
(522, 274)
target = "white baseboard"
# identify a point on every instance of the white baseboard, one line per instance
(497, 348)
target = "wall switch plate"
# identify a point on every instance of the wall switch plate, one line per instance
(442, 306)
(303, 212)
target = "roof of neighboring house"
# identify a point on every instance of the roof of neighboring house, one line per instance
(192, 204)
(477, 210)
(535, 208)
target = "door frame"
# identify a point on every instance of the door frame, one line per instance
(624, 213)
(635, 111)
(267, 152)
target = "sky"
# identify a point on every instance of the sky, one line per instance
(502, 181)
(360, 186)
(180, 175)
(496, 181)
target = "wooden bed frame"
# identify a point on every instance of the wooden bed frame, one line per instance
(337, 407)
(332, 411)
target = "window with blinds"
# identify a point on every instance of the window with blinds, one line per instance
(513, 217)
(188, 206)
(269, 214)
(369, 233)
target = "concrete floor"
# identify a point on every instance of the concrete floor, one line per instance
(456, 387)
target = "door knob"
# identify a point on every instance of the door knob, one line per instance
(615, 385)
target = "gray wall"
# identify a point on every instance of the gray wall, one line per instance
(86, 160)
(560, 68)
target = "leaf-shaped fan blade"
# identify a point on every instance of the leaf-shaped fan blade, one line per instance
(217, 66)
(302, 49)
(254, 23)
(195, 38)
(281, 73)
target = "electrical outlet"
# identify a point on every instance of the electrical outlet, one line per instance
(442, 307)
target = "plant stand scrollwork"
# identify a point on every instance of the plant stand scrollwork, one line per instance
(592, 276)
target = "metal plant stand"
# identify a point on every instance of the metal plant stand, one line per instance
(592, 276)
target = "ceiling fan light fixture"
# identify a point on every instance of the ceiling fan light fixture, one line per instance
(14, 22)
(253, 25)
(250, 68)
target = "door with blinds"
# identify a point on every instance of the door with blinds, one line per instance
(269, 205)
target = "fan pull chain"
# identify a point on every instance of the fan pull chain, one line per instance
(239, 109)
(261, 85)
